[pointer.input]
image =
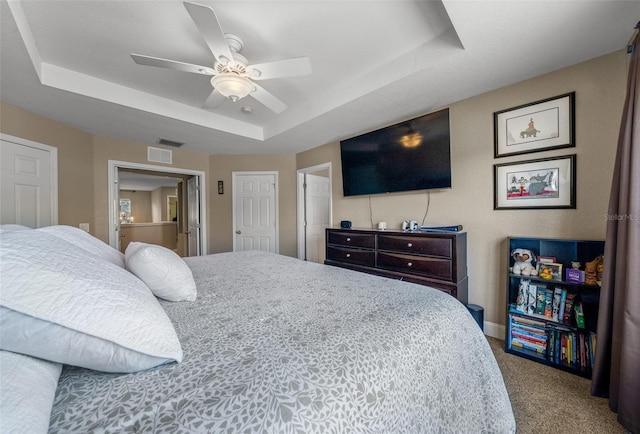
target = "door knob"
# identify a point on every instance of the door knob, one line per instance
(238, 232)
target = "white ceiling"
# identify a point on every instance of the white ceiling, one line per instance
(135, 180)
(374, 62)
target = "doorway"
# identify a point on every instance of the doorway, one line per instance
(314, 211)
(147, 214)
(28, 182)
(255, 211)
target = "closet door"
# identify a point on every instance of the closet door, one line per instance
(28, 183)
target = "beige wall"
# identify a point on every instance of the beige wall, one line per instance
(140, 204)
(600, 87)
(75, 153)
(83, 179)
(220, 206)
(159, 205)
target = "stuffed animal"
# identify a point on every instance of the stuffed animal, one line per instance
(523, 264)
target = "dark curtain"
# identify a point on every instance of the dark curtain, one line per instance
(616, 372)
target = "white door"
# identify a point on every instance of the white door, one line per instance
(115, 208)
(317, 199)
(193, 217)
(197, 198)
(255, 206)
(28, 183)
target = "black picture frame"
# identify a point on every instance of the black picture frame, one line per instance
(554, 179)
(534, 127)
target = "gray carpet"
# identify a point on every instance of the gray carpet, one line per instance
(548, 400)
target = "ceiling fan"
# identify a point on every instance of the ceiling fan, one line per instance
(233, 77)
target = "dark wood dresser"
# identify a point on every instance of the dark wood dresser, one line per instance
(436, 259)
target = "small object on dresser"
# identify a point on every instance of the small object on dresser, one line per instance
(345, 224)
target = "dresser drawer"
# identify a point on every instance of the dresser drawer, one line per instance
(352, 239)
(441, 247)
(352, 256)
(427, 266)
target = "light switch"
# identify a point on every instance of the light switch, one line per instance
(84, 227)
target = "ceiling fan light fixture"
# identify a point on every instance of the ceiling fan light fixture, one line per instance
(233, 87)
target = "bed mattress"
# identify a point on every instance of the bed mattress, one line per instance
(274, 344)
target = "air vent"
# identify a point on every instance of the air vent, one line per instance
(158, 155)
(167, 142)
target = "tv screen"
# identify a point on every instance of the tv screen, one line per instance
(412, 155)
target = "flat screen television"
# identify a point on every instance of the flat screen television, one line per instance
(412, 155)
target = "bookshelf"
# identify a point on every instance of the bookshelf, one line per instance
(552, 317)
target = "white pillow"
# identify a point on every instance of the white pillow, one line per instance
(27, 390)
(12, 227)
(60, 304)
(164, 272)
(86, 241)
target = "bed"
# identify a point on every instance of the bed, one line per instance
(265, 344)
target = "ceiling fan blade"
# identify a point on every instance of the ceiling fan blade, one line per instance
(281, 68)
(206, 21)
(141, 59)
(268, 99)
(214, 100)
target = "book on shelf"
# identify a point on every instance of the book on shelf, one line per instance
(532, 340)
(530, 330)
(531, 298)
(548, 303)
(523, 294)
(530, 317)
(563, 300)
(528, 346)
(540, 296)
(572, 349)
(568, 307)
(577, 308)
(557, 297)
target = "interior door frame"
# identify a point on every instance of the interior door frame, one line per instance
(302, 203)
(234, 185)
(53, 167)
(114, 222)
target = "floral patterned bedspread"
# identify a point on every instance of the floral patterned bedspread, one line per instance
(274, 344)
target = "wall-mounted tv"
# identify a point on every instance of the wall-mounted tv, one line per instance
(412, 155)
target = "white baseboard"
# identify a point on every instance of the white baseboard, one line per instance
(494, 330)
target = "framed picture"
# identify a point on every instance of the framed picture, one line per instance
(546, 259)
(543, 183)
(538, 126)
(549, 271)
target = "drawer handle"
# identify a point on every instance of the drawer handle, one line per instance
(409, 264)
(348, 239)
(348, 255)
(410, 245)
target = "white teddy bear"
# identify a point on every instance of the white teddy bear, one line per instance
(523, 265)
